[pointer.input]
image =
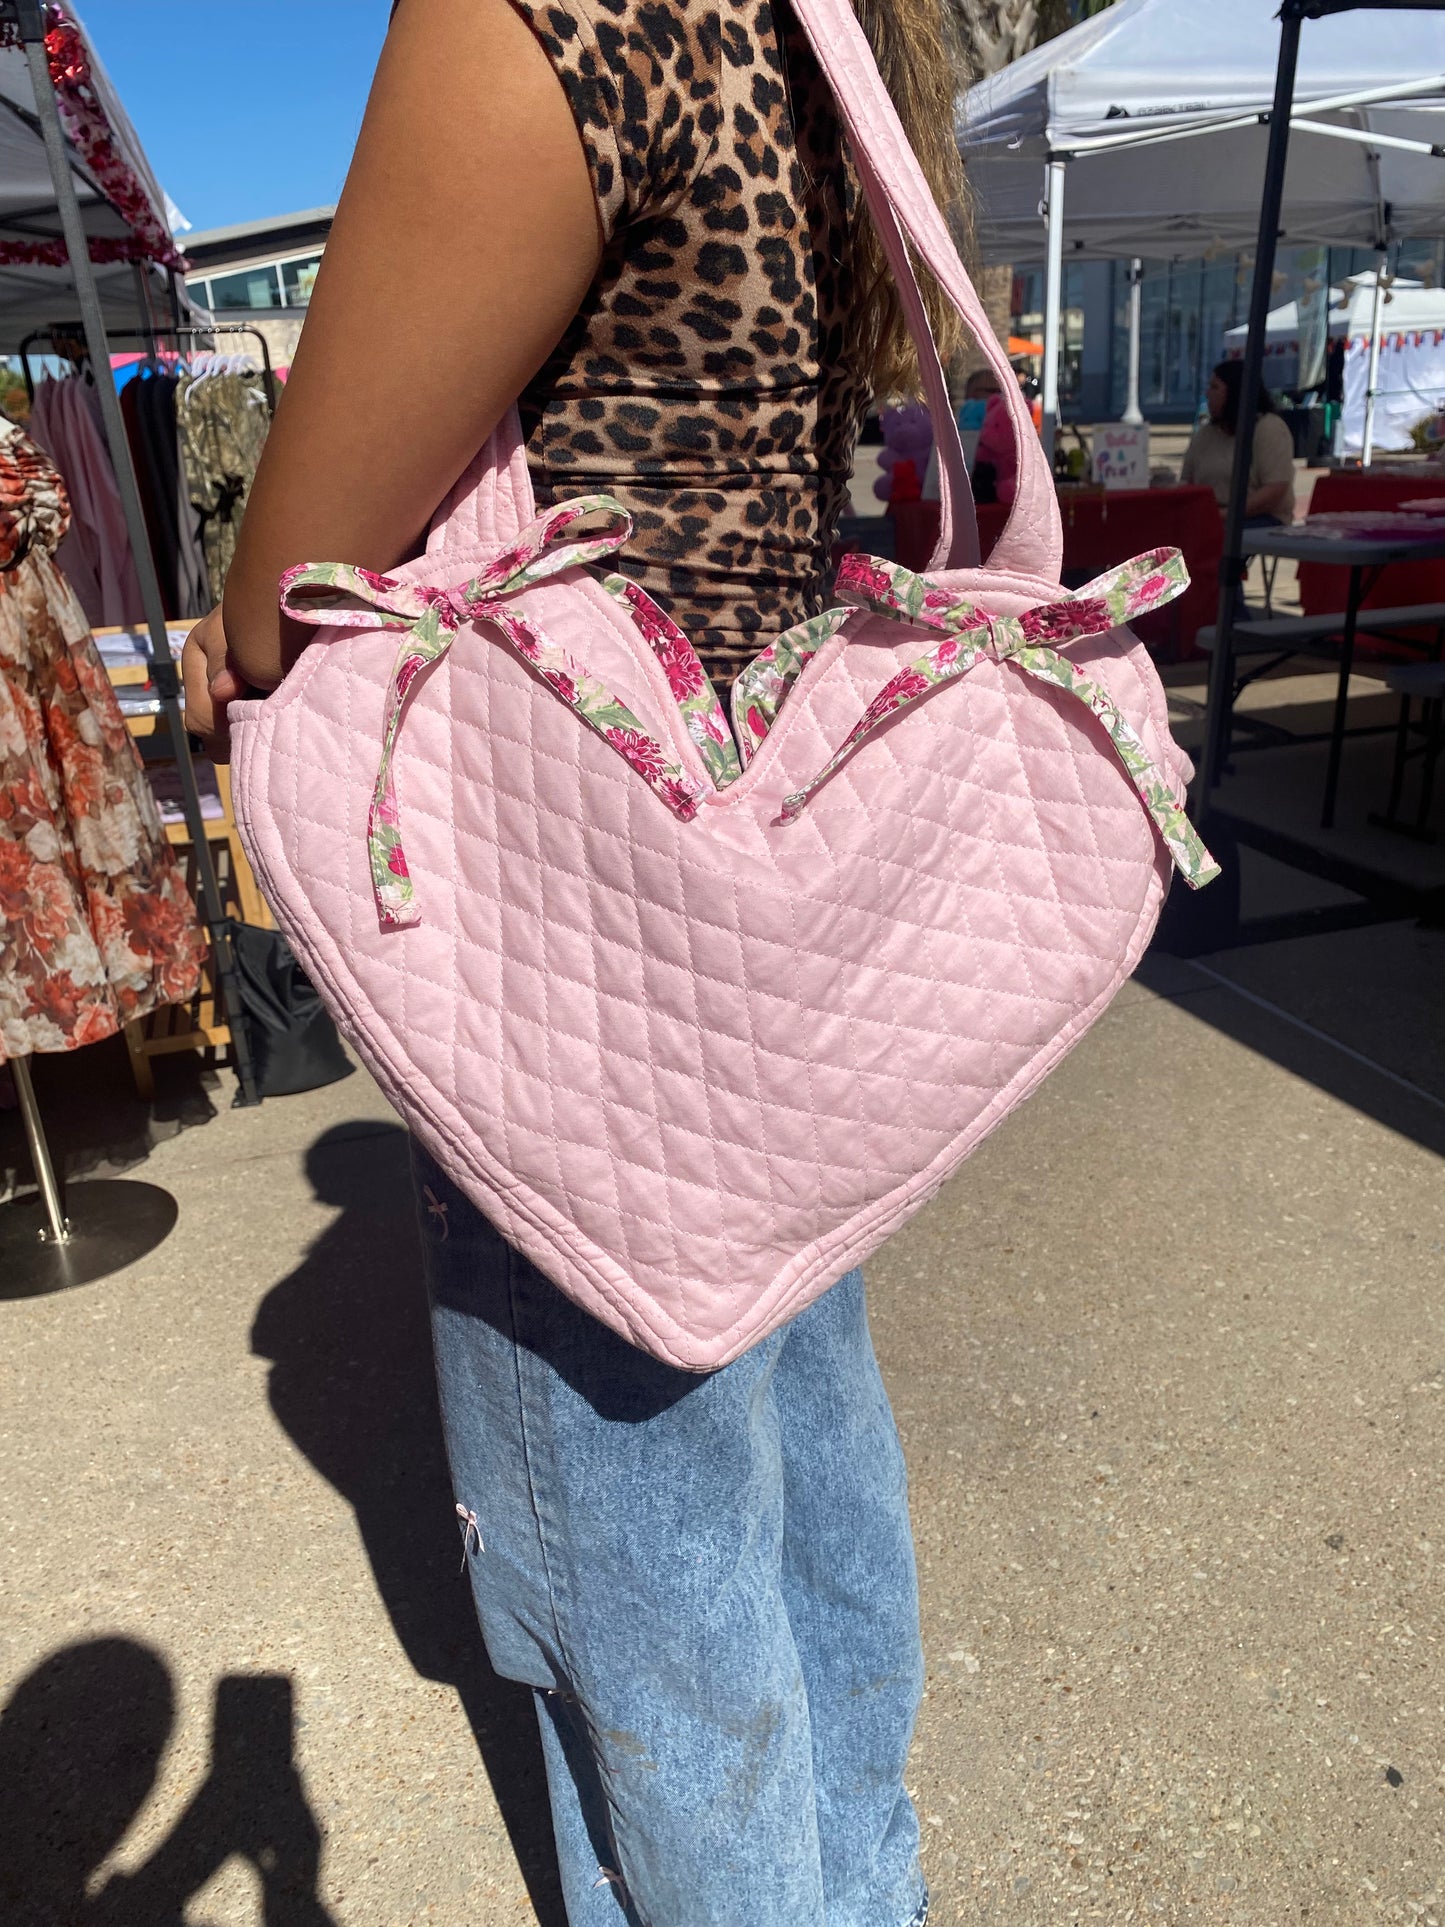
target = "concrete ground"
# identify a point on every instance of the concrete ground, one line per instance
(1169, 1361)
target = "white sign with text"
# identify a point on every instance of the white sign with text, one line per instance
(1121, 455)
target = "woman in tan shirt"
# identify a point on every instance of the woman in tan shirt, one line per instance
(1210, 457)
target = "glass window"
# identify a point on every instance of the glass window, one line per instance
(201, 290)
(299, 278)
(1071, 357)
(1421, 261)
(250, 288)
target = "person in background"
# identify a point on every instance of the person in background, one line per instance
(1209, 459)
(995, 460)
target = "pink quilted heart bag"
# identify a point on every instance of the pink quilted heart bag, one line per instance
(698, 1014)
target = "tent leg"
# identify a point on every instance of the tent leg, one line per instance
(57, 1231)
(1133, 413)
(163, 669)
(147, 319)
(1372, 378)
(1232, 562)
(1053, 300)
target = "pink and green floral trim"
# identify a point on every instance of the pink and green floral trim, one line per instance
(760, 688)
(336, 595)
(971, 636)
(691, 686)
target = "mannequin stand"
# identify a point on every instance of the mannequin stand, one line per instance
(55, 1239)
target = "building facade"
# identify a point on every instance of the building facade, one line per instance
(1185, 308)
(260, 273)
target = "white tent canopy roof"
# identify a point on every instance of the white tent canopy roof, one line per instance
(1156, 66)
(1407, 307)
(33, 296)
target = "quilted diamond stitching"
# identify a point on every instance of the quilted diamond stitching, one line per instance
(692, 1290)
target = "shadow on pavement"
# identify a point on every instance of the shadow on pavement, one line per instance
(80, 1744)
(1358, 1013)
(351, 1382)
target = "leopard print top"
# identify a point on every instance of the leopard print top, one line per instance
(706, 380)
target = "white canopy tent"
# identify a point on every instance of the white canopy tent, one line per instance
(1394, 365)
(124, 211)
(1394, 357)
(1142, 132)
(1282, 339)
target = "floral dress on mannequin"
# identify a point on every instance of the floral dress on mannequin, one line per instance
(96, 924)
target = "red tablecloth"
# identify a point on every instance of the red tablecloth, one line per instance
(1322, 589)
(1102, 529)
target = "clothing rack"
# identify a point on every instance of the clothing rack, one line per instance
(150, 333)
(29, 18)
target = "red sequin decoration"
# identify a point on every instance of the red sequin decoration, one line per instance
(90, 134)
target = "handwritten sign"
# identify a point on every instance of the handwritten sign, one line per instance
(1121, 455)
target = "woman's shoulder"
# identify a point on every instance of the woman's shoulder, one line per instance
(642, 79)
(1274, 431)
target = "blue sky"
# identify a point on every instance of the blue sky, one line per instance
(247, 110)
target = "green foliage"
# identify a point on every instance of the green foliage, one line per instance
(1057, 16)
(996, 32)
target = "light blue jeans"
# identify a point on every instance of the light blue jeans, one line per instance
(708, 1581)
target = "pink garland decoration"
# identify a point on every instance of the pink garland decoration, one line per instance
(90, 133)
(104, 249)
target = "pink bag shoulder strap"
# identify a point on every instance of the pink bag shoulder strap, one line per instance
(899, 197)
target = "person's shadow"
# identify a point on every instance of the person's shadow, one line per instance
(351, 1381)
(81, 1740)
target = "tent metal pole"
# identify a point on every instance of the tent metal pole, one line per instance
(1133, 413)
(1366, 136)
(57, 1231)
(143, 303)
(1180, 127)
(29, 13)
(1053, 300)
(1372, 376)
(1232, 563)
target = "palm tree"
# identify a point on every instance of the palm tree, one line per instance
(994, 32)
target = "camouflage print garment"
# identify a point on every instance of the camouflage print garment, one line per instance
(223, 421)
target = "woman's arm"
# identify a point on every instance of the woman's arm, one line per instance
(1271, 471)
(1272, 498)
(464, 242)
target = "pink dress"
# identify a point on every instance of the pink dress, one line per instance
(95, 555)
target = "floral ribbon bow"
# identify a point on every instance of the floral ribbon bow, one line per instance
(970, 636)
(334, 594)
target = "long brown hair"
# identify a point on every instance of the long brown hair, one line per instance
(920, 57)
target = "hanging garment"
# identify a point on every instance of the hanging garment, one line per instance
(223, 425)
(148, 403)
(193, 581)
(96, 925)
(698, 1015)
(156, 487)
(95, 557)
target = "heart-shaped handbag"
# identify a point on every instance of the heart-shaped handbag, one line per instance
(698, 1014)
